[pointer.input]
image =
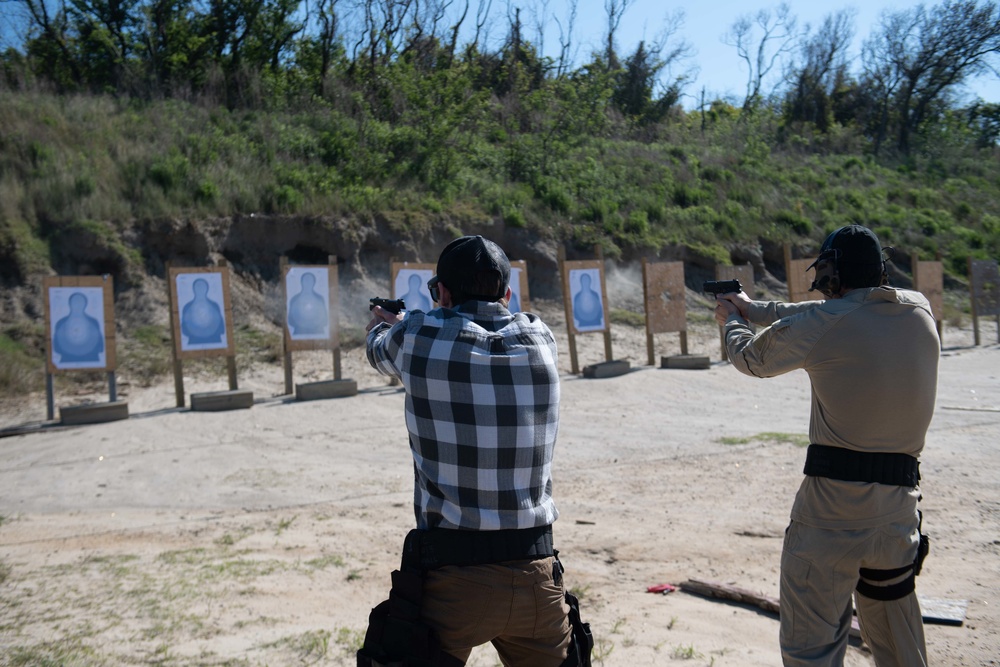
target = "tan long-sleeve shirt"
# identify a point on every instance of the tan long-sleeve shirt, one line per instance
(872, 360)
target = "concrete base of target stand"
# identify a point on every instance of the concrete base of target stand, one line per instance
(606, 369)
(216, 401)
(690, 361)
(311, 391)
(97, 413)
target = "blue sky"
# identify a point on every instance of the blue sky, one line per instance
(722, 72)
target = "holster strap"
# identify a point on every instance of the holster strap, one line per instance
(439, 547)
(853, 466)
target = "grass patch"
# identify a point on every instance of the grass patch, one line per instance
(324, 562)
(627, 317)
(686, 653)
(54, 654)
(146, 354)
(21, 371)
(796, 439)
(310, 647)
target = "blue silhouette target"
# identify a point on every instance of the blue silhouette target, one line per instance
(411, 287)
(77, 314)
(202, 321)
(308, 303)
(588, 306)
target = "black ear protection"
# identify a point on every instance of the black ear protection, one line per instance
(827, 279)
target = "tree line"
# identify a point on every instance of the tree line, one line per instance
(426, 63)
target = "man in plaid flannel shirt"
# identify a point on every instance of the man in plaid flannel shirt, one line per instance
(482, 408)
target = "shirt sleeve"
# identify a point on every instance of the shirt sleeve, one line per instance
(383, 347)
(782, 346)
(766, 313)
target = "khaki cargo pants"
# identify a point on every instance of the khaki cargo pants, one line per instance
(819, 570)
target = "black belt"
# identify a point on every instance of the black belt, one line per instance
(431, 549)
(853, 466)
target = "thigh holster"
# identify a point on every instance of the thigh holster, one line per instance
(902, 588)
(397, 636)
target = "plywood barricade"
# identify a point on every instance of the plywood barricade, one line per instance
(665, 303)
(984, 290)
(743, 273)
(928, 279)
(201, 326)
(80, 336)
(311, 294)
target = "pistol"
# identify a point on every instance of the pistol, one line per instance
(392, 305)
(717, 287)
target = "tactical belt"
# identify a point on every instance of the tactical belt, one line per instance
(853, 466)
(431, 549)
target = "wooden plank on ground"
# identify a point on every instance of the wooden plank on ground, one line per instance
(311, 391)
(606, 369)
(687, 361)
(936, 611)
(216, 401)
(940, 611)
(96, 413)
(715, 589)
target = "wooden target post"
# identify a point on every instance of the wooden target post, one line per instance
(80, 336)
(311, 295)
(797, 277)
(743, 273)
(984, 290)
(928, 279)
(585, 297)
(665, 304)
(201, 326)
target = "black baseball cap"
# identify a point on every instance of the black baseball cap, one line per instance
(469, 260)
(856, 251)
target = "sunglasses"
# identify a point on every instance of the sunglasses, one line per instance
(432, 286)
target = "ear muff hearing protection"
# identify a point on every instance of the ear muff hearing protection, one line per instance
(850, 257)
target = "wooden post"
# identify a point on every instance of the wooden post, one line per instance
(286, 354)
(112, 387)
(574, 364)
(972, 297)
(608, 356)
(335, 318)
(230, 358)
(178, 365)
(50, 397)
(650, 356)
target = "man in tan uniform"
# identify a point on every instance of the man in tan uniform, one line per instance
(871, 353)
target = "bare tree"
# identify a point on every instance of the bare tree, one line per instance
(823, 59)
(566, 55)
(53, 28)
(762, 52)
(615, 10)
(916, 58)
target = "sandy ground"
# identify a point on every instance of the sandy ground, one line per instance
(264, 536)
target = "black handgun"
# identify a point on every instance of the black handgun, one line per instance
(717, 287)
(392, 305)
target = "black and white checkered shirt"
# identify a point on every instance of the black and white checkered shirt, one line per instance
(482, 409)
